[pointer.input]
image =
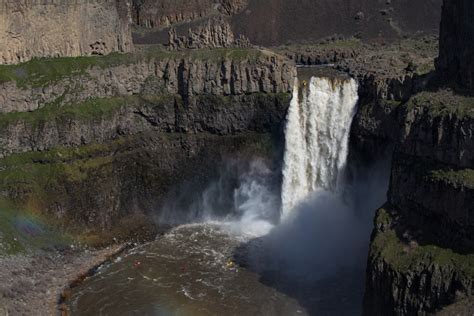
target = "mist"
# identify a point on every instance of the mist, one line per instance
(326, 233)
(244, 199)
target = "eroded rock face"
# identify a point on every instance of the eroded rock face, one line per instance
(431, 131)
(219, 115)
(431, 175)
(165, 13)
(421, 251)
(436, 202)
(276, 22)
(405, 277)
(456, 54)
(50, 28)
(216, 33)
(121, 137)
(231, 7)
(127, 161)
(181, 75)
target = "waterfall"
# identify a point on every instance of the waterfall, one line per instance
(316, 137)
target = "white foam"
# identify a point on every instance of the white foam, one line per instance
(316, 138)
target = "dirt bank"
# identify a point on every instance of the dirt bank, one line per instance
(31, 284)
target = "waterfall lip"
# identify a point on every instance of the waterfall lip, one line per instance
(320, 71)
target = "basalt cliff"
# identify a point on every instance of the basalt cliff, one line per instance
(32, 29)
(133, 127)
(421, 256)
(278, 22)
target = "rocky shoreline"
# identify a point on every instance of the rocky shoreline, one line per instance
(34, 283)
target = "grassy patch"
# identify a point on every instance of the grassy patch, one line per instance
(345, 43)
(58, 154)
(402, 257)
(425, 68)
(34, 184)
(224, 53)
(457, 178)
(37, 182)
(37, 179)
(44, 71)
(90, 110)
(443, 103)
(23, 231)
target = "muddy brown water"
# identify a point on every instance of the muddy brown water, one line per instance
(188, 271)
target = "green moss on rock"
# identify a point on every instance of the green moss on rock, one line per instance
(457, 178)
(22, 230)
(90, 110)
(405, 257)
(443, 103)
(38, 178)
(43, 71)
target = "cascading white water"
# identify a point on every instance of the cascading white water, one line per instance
(317, 134)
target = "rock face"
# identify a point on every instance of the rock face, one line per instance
(456, 54)
(165, 13)
(66, 28)
(126, 162)
(421, 251)
(420, 259)
(407, 278)
(231, 7)
(159, 72)
(118, 117)
(385, 83)
(216, 33)
(431, 179)
(133, 127)
(277, 22)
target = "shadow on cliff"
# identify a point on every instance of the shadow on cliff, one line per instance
(318, 255)
(436, 81)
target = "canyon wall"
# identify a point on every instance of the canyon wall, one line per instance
(32, 29)
(421, 253)
(223, 72)
(121, 131)
(421, 248)
(279, 22)
(164, 13)
(456, 55)
(216, 33)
